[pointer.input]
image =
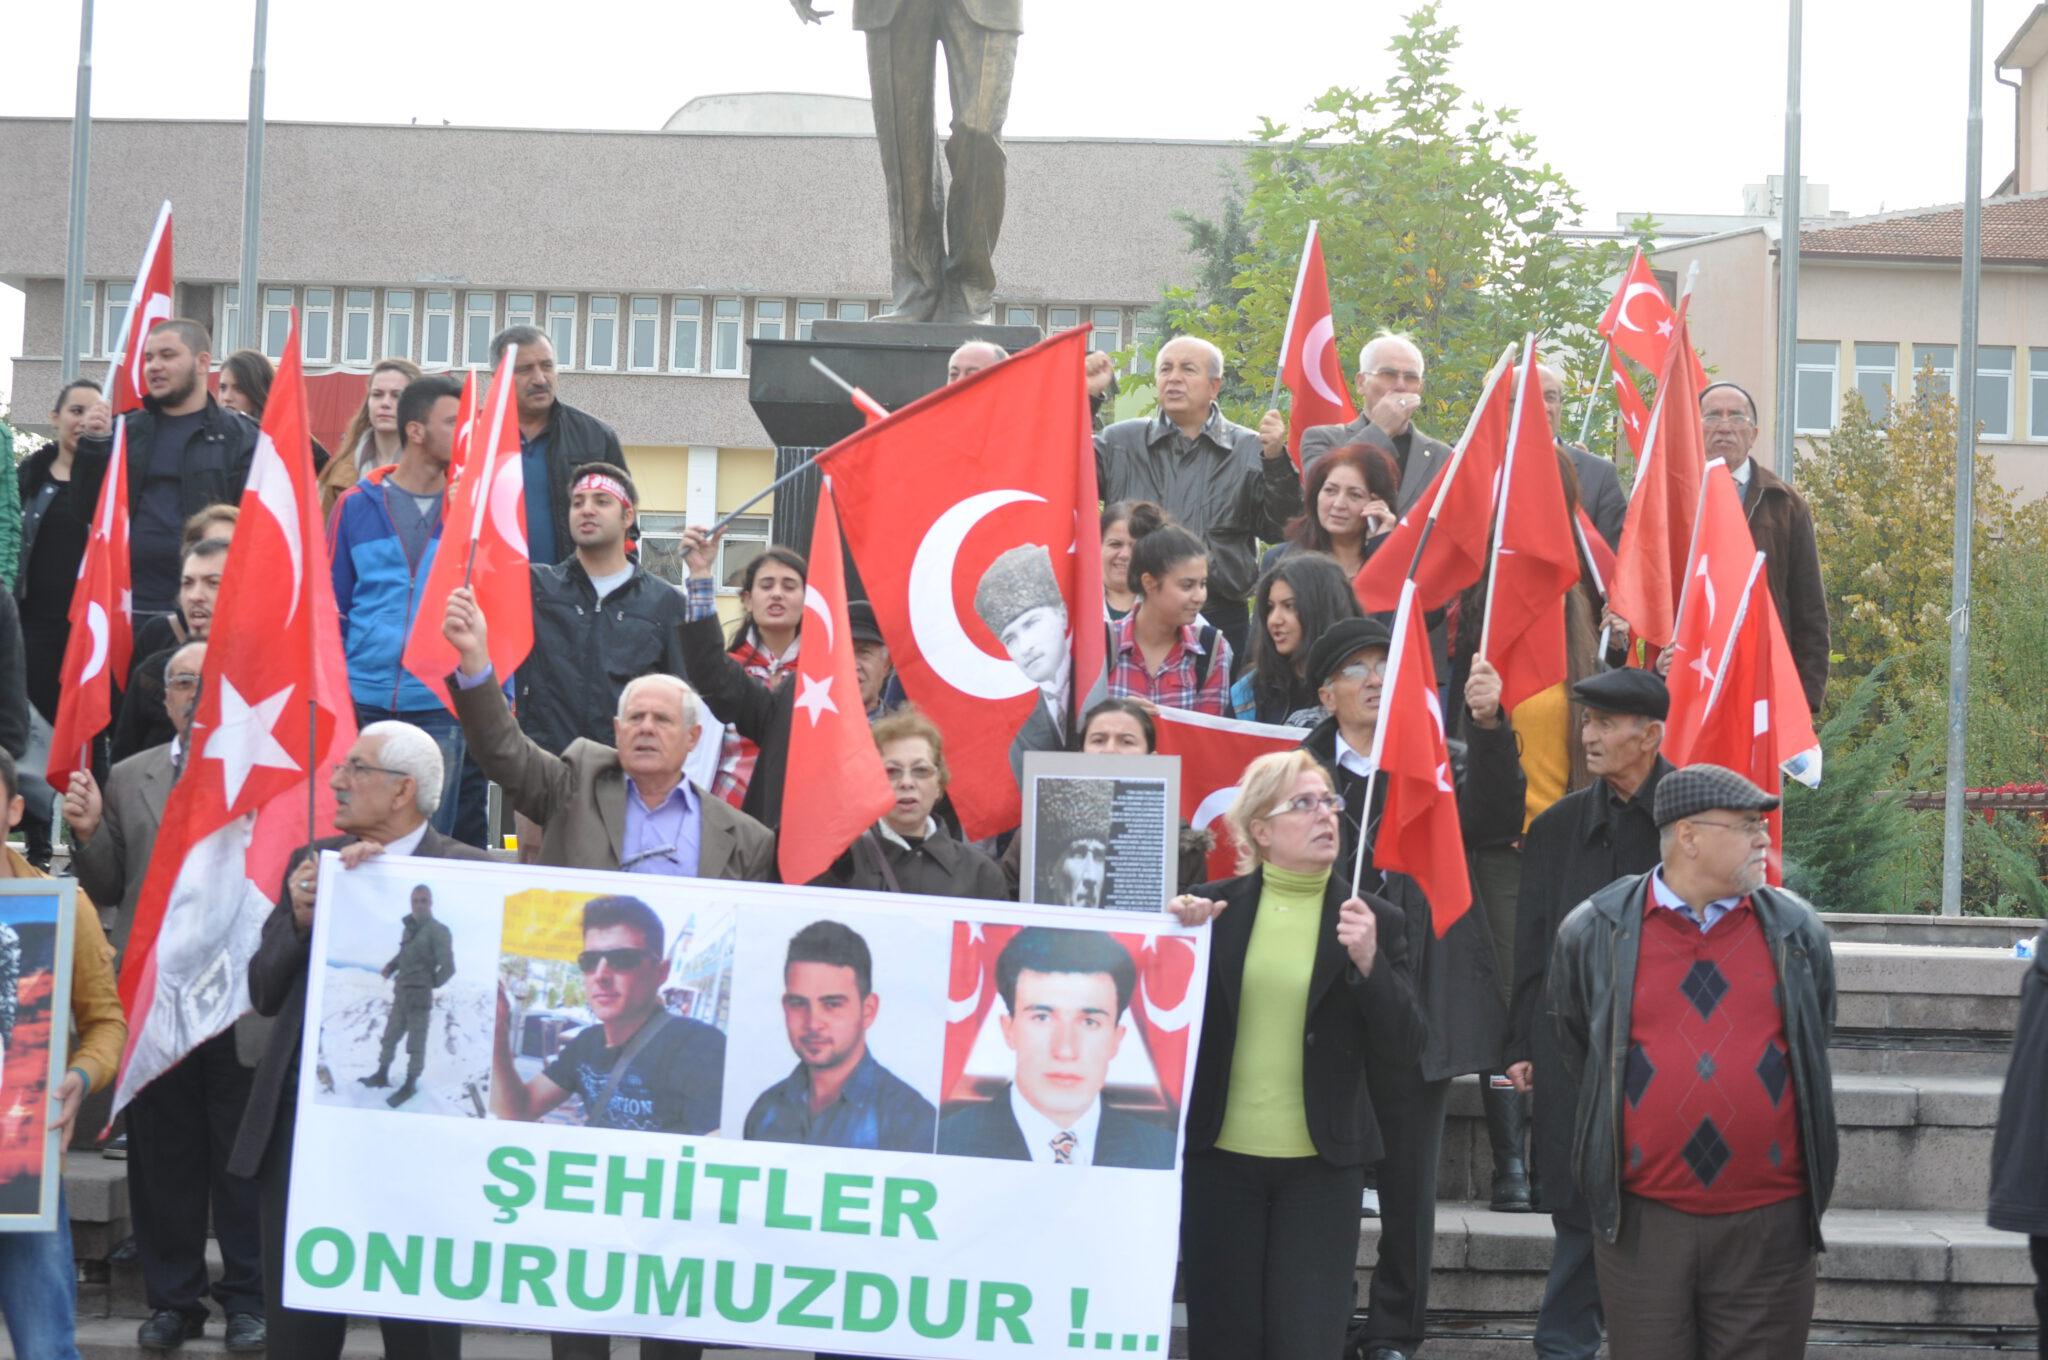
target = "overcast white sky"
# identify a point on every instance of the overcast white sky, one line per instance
(1660, 107)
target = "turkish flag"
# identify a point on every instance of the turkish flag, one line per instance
(1459, 501)
(1716, 574)
(1159, 1006)
(1534, 561)
(102, 641)
(1657, 532)
(970, 994)
(1599, 557)
(1639, 321)
(1309, 367)
(483, 546)
(148, 303)
(1000, 465)
(274, 714)
(1213, 754)
(1739, 723)
(465, 426)
(1635, 415)
(1419, 833)
(829, 744)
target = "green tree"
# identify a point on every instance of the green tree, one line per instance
(1437, 217)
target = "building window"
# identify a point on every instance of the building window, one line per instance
(643, 335)
(745, 539)
(1940, 358)
(398, 323)
(1105, 330)
(685, 334)
(1059, 319)
(601, 345)
(316, 327)
(437, 331)
(1994, 391)
(850, 311)
(85, 311)
(725, 335)
(1020, 316)
(1144, 348)
(1813, 386)
(356, 307)
(562, 328)
(768, 317)
(2037, 394)
(519, 309)
(277, 321)
(478, 311)
(807, 315)
(1877, 370)
(113, 342)
(661, 546)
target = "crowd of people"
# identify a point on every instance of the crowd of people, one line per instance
(1620, 903)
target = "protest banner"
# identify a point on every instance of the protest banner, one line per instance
(614, 1130)
(1100, 831)
(36, 921)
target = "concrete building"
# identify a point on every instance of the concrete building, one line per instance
(651, 258)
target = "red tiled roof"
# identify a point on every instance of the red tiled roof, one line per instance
(2015, 231)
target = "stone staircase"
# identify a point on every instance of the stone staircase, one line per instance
(1922, 1032)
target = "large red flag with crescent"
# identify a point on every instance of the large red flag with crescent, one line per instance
(1213, 754)
(274, 714)
(1535, 560)
(102, 641)
(972, 516)
(482, 546)
(1639, 321)
(148, 303)
(1657, 532)
(1740, 723)
(1309, 367)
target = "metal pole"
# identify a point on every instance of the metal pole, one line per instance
(1593, 397)
(1788, 255)
(81, 146)
(252, 187)
(1966, 467)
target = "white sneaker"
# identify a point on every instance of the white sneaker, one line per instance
(1369, 1206)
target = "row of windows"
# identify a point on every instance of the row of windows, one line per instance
(1874, 374)
(600, 332)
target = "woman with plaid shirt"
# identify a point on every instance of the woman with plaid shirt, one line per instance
(772, 596)
(1163, 650)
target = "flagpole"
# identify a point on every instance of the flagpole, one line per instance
(252, 182)
(1443, 489)
(508, 365)
(1287, 331)
(1593, 397)
(81, 155)
(1699, 516)
(859, 398)
(1507, 473)
(1756, 564)
(1788, 251)
(1396, 654)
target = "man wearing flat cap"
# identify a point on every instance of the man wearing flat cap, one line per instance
(1575, 847)
(1693, 1006)
(1019, 599)
(1455, 977)
(871, 664)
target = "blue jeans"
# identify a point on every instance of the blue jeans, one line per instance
(463, 789)
(39, 1290)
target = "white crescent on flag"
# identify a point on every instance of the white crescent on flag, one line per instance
(814, 603)
(934, 621)
(275, 492)
(1635, 290)
(1173, 1019)
(1313, 346)
(96, 623)
(506, 484)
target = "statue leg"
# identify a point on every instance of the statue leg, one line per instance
(980, 63)
(901, 68)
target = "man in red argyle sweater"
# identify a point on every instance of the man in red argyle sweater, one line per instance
(1693, 1006)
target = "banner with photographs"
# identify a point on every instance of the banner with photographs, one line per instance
(1100, 831)
(36, 924)
(742, 1113)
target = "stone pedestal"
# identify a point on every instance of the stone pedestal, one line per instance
(895, 362)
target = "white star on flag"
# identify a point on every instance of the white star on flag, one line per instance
(1664, 328)
(814, 697)
(1705, 667)
(246, 738)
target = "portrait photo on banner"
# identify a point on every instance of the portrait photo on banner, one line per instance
(615, 1008)
(1100, 831)
(36, 924)
(1066, 1047)
(410, 995)
(839, 1005)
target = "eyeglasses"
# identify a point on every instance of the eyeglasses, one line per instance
(1311, 803)
(621, 960)
(1749, 826)
(920, 773)
(1365, 670)
(356, 769)
(181, 682)
(1725, 418)
(1407, 375)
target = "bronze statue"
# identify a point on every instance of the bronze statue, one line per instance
(940, 251)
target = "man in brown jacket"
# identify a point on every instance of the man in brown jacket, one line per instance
(1782, 526)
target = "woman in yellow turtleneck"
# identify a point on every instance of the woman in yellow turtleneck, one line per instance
(1304, 978)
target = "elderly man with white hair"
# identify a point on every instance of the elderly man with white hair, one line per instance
(1227, 485)
(1390, 374)
(385, 795)
(973, 357)
(627, 806)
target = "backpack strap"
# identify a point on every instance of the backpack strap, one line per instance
(1206, 640)
(599, 1117)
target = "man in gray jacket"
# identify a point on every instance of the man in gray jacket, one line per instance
(1390, 377)
(1228, 486)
